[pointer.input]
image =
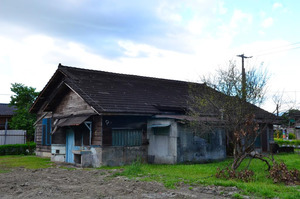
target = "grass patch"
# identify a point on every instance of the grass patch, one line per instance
(261, 186)
(28, 162)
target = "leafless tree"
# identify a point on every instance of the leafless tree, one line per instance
(236, 116)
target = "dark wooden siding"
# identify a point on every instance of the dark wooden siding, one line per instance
(97, 130)
(71, 104)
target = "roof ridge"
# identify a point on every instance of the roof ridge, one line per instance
(60, 66)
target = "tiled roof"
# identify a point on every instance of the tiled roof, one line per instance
(6, 110)
(111, 92)
(119, 93)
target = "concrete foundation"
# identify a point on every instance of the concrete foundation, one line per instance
(58, 152)
(43, 154)
(118, 156)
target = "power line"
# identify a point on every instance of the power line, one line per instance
(278, 51)
(296, 91)
(275, 48)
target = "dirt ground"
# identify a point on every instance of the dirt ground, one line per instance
(93, 183)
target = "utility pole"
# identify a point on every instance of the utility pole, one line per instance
(243, 77)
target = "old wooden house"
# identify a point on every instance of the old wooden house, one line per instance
(94, 118)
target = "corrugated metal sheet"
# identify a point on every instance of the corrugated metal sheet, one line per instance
(159, 125)
(72, 121)
(13, 137)
(126, 137)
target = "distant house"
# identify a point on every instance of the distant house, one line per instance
(94, 118)
(293, 125)
(6, 113)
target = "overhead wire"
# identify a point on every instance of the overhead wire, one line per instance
(277, 49)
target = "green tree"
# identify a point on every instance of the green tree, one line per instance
(22, 99)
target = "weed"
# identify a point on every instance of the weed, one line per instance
(237, 196)
(134, 169)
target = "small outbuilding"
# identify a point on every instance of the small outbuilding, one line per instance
(6, 113)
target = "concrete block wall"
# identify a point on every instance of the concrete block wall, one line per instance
(195, 148)
(118, 156)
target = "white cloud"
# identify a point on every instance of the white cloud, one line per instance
(239, 18)
(262, 14)
(268, 22)
(239, 22)
(196, 26)
(277, 5)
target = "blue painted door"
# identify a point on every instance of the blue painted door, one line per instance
(70, 142)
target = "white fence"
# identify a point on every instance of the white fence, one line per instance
(12, 137)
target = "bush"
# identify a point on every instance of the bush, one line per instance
(280, 173)
(292, 136)
(286, 142)
(18, 149)
(227, 173)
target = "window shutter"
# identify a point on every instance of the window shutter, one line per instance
(126, 137)
(46, 131)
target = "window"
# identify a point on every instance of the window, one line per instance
(126, 137)
(257, 143)
(161, 130)
(46, 131)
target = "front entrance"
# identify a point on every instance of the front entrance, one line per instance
(70, 144)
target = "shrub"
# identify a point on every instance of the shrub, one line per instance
(18, 149)
(292, 136)
(280, 173)
(286, 142)
(243, 175)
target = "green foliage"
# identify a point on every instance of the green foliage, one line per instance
(18, 149)
(281, 141)
(278, 134)
(134, 169)
(237, 195)
(22, 99)
(292, 136)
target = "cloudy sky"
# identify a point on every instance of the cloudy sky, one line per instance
(174, 39)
